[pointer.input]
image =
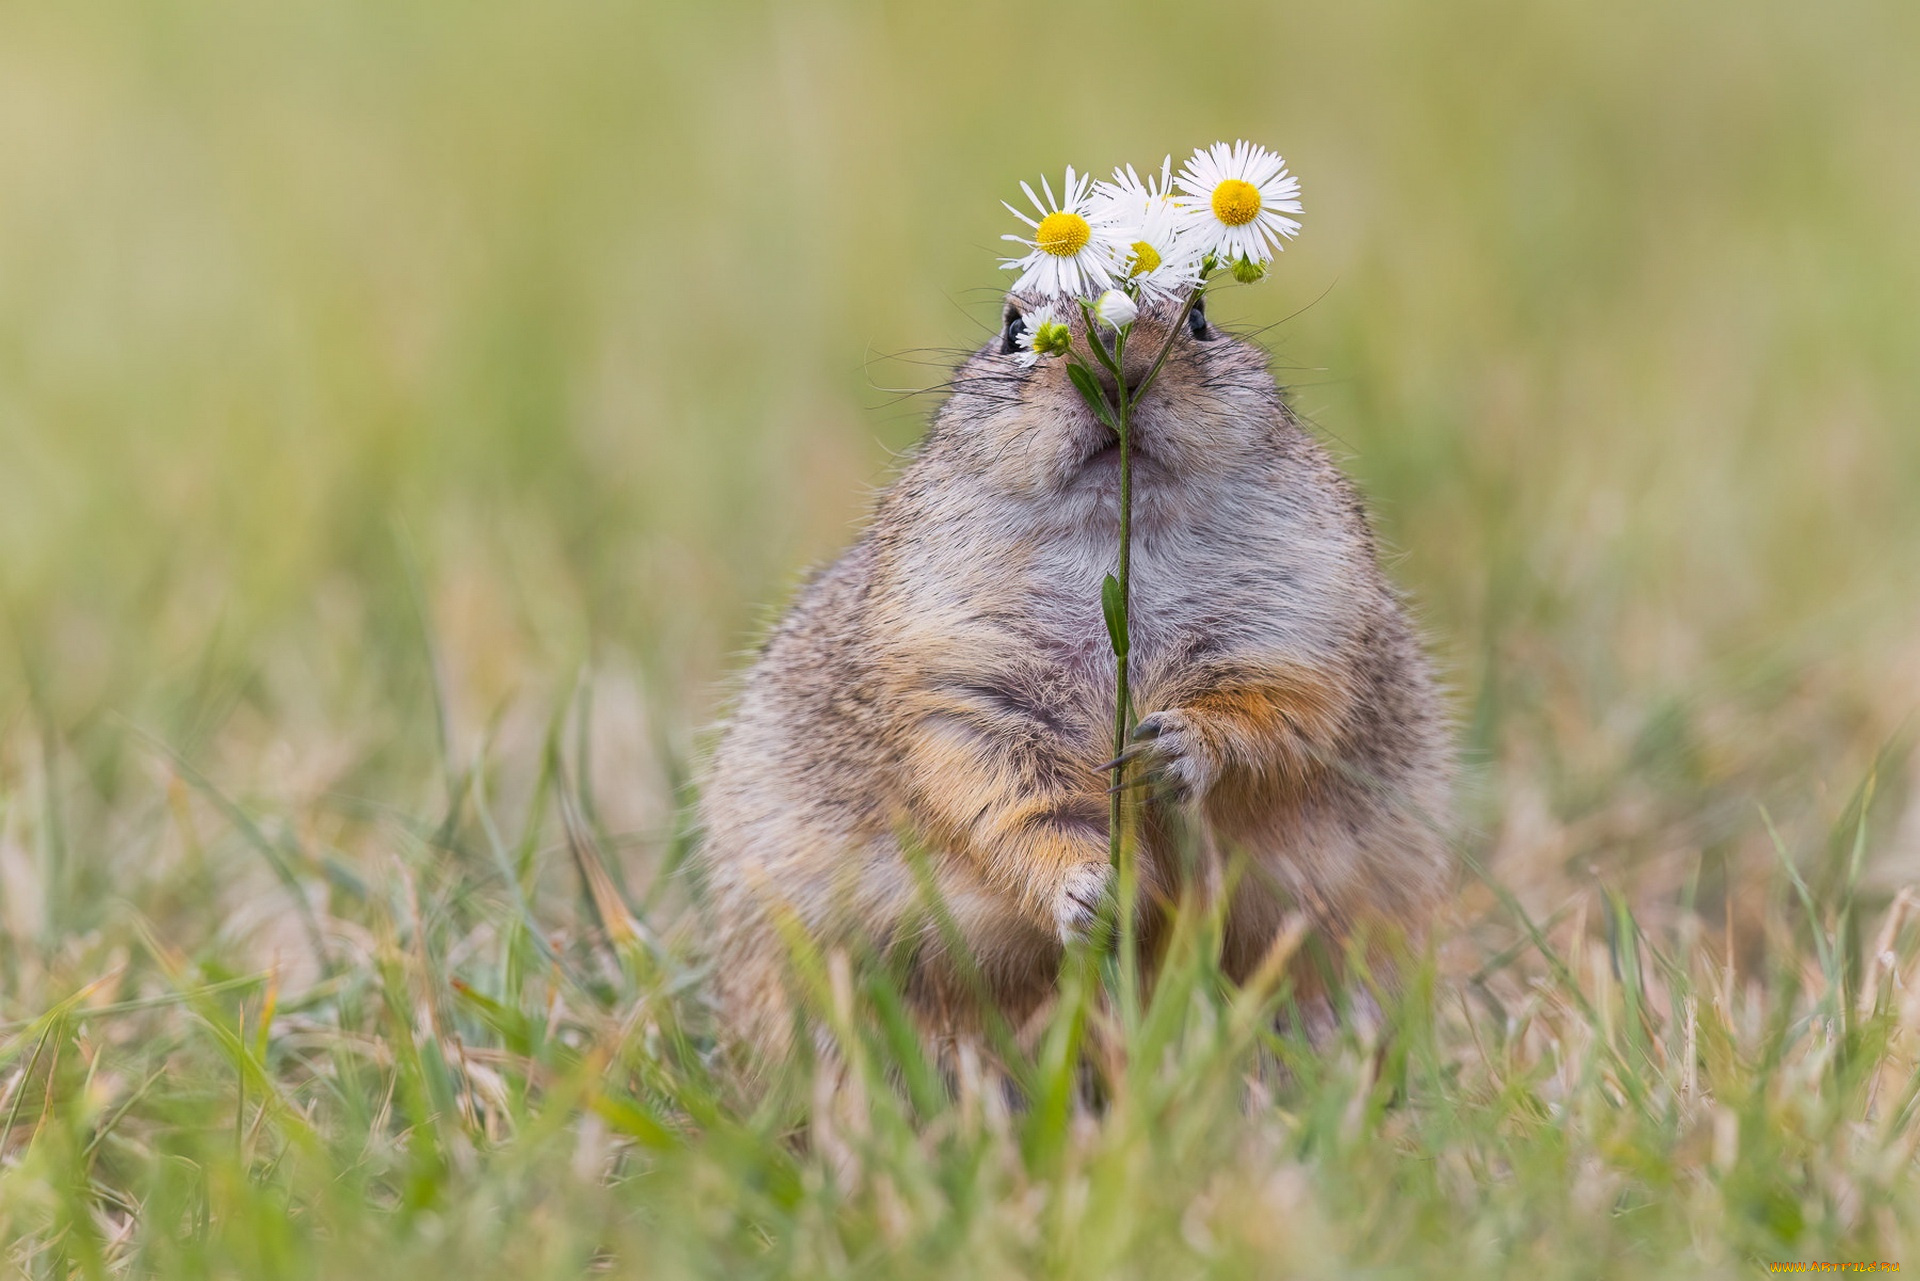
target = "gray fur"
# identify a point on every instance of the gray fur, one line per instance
(948, 684)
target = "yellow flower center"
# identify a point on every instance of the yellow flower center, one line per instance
(1236, 203)
(1145, 258)
(1063, 234)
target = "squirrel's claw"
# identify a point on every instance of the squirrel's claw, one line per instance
(1143, 737)
(1178, 761)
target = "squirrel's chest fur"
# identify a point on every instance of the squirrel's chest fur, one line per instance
(1005, 595)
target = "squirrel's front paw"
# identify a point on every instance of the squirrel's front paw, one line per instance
(1082, 894)
(1171, 753)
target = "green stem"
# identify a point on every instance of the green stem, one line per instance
(1119, 415)
(1122, 694)
(1120, 847)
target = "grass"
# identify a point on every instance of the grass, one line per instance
(446, 1087)
(409, 411)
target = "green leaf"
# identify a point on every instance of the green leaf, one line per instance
(1090, 392)
(1113, 603)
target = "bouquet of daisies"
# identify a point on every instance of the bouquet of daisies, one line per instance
(1110, 248)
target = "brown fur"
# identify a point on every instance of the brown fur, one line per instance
(946, 690)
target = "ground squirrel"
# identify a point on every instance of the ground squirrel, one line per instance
(948, 684)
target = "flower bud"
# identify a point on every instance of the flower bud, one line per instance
(1247, 271)
(1115, 308)
(1052, 338)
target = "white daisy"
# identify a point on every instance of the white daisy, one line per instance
(1073, 250)
(1129, 198)
(1042, 333)
(1241, 198)
(1159, 256)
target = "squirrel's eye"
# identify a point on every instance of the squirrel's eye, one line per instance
(1197, 322)
(1010, 337)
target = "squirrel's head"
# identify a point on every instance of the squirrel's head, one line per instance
(1023, 429)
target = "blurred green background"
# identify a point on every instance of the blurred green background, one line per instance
(342, 342)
